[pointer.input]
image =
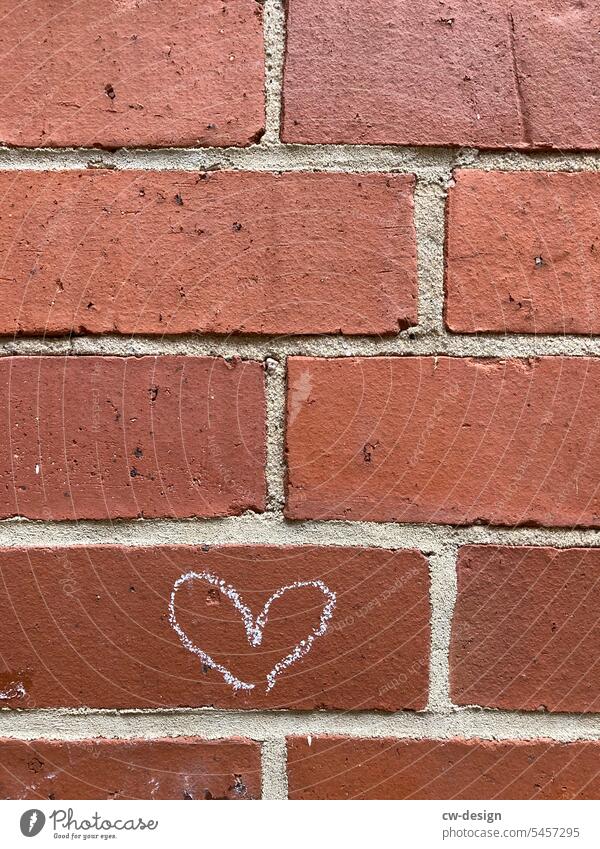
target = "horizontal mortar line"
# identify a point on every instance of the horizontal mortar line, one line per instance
(533, 161)
(266, 529)
(468, 723)
(254, 347)
(272, 156)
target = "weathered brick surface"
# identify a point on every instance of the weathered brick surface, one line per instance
(181, 768)
(487, 74)
(441, 439)
(346, 768)
(522, 253)
(118, 74)
(556, 55)
(118, 437)
(176, 252)
(526, 630)
(210, 253)
(92, 626)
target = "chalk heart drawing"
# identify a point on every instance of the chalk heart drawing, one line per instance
(254, 627)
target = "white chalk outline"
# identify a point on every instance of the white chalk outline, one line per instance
(254, 627)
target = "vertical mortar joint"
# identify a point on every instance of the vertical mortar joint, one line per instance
(443, 590)
(274, 40)
(275, 465)
(274, 769)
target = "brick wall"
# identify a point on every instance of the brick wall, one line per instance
(299, 317)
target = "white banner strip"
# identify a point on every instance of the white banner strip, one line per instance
(272, 825)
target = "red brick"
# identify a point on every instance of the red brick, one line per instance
(175, 252)
(488, 74)
(121, 437)
(522, 253)
(91, 626)
(446, 440)
(113, 74)
(557, 56)
(182, 768)
(526, 630)
(346, 768)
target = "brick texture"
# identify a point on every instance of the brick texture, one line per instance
(118, 74)
(91, 626)
(446, 440)
(182, 768)
(345, 768)
(487, 74)
(523, 253)
(173, 252)
(526, 629)
(117, 437)
(261, 349)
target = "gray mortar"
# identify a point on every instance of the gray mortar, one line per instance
(430, 201)
(272, 529)
(442, 595)
(433, 168)
(275, 726)
(412, 342)
(274, 34)
(274, 769)
(428, 162)
(275, 467)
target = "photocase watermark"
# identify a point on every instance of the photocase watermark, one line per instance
(95, 410)
(438, 412)
(64, 824)
(375, 602)
(32, 822)
(402, 679)
(68, 583)
(96, 413)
